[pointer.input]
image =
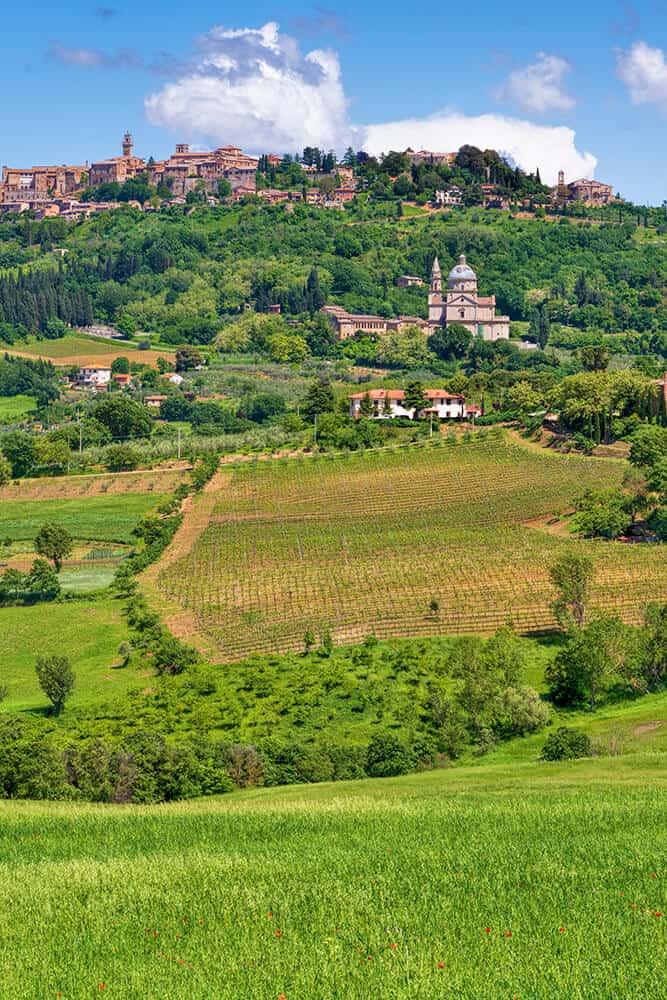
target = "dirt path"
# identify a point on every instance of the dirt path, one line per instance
(197, 512)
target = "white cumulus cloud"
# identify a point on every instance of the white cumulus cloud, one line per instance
(643, 69)
(253, 87)
(551, 148)
(539, 86)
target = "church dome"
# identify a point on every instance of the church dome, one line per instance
(461, 272)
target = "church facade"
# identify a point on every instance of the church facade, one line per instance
(461, 303)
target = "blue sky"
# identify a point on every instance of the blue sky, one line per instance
(582, 86)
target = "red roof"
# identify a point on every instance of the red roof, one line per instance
(398, 394)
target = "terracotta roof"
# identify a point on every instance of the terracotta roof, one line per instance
(398, 394)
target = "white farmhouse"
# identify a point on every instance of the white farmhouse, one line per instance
(94, 377)
(389, 403)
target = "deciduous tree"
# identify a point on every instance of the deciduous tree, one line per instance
(56, 679)
(54, 542)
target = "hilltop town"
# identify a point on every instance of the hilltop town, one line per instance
(442, 180)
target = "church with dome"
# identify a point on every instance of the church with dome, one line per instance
(461, 303)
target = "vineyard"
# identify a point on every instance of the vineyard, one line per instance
(164, 480)
(411, 541)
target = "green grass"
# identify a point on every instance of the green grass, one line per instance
(84, 579)
(362, 544)
(15, 407)
(379, 889)
(88, 632)
(99, 518)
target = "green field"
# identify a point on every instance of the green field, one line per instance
(531, 881)
(361, 544)
(88, 632)
(100, 518)
(15, 407)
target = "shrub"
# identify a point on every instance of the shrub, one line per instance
(520, 711)
(173, 657)
(387, 756)
(566, 744)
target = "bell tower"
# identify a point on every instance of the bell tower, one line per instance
(128, 145)
(435, 306)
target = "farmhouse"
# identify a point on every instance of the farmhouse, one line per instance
(94, 377)
(389, 403)
(409, 281)
(155, 399)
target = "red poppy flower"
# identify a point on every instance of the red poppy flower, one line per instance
(369, 958)
(562, 930)
(441, 965)
(279, 933)
(487, 930)
(508, 934)
(658, 913)
(281, 996)
(269, 915)
(393, 945)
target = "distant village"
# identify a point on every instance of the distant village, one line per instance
(56, 191)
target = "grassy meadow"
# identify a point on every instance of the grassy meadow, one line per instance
(362, 544)
(90, 632)
(15, 407)
(101, 518)
(528, 881)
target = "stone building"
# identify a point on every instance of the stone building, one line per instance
(347, 324)
(461, 303)
(36, 184)
(590, 192)
(187, 169)
(117, 169)
(426, 156)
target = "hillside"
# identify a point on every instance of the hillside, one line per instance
(184, 274)
(524, 880)
(361, 545)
